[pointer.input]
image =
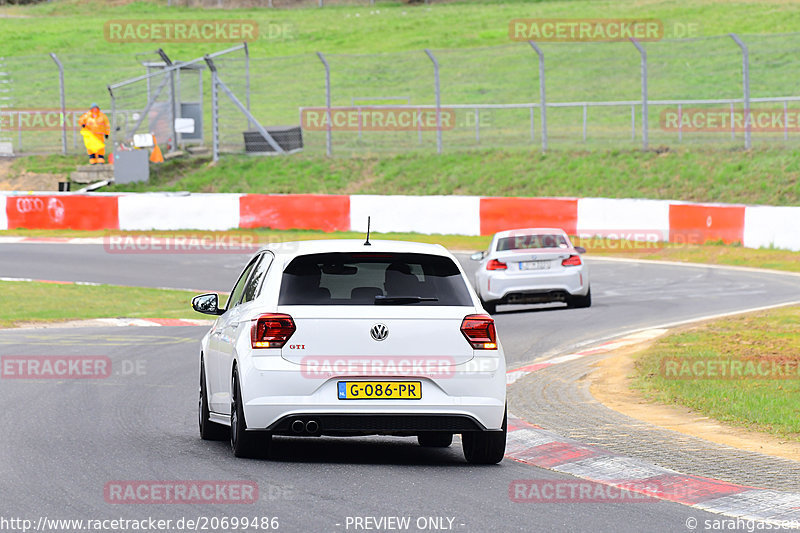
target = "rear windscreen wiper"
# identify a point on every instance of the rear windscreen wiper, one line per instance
(389, 300)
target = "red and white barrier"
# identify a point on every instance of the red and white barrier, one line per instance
(3, 215)
(177, 212)
(754, 226)
(772, 226)
(640, 220)
(456, 215)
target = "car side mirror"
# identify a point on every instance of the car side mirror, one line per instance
(580, 249)
(207, 304)
(478, 256)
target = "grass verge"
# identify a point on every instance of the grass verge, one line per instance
(51, 302)
(768, 405)
(764, 176)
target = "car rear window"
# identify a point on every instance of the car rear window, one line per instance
(527, 242)
(373, 279)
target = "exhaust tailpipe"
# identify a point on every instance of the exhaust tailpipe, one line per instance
(312, 426)
(298, 426)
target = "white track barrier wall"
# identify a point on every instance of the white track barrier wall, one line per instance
(459, 215)
(171, 212)
(623, 218)
(772, 226)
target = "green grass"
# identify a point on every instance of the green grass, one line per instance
(762, 404)
(46, 164)
(50, 302)
(398, 26)
(765, 176)
(381, 54)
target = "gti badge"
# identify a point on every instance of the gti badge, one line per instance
(379, 332)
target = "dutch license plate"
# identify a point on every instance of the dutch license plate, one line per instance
(380, 390)
(534, 265)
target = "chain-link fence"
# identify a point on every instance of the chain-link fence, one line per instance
(724, 91)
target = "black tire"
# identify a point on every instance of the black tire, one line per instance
(435, 439)
(579, 302)
(485, 447)
(243, 443)
(491, 307)
(208, 430)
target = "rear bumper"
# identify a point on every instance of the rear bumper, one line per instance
(366, 424)
(471, 398)
(518, 288)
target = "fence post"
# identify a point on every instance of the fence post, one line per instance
(114, 126)
(643, 54)
(247, 81)
(328, 144)
(63, 103)
(214, 113)
(745, 87)
(438, 101)
(542, 94)
(172, 99)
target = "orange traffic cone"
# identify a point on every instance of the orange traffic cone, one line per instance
(155, 155)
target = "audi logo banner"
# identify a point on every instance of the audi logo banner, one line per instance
(62, 212)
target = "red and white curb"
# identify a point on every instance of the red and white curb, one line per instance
(119, 322)
(11, 239)
(536, 446)
(97, 284)
(641, 336)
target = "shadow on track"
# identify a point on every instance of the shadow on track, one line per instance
(353, 450)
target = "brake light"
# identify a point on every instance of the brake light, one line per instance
(479, 332)
(571, 261)
(271, 330)
(494, 264)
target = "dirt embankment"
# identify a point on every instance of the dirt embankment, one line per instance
(26, 181)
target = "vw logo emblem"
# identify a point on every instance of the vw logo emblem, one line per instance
(379, 332)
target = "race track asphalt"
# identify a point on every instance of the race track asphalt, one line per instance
(63, 441)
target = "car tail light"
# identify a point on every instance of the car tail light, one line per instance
(494, 264)
(572, 261)
(271, 331)
(479, 331)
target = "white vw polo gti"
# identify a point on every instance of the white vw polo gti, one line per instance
(346, 337)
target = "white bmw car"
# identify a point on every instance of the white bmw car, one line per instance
(535, 265)
(341, 338)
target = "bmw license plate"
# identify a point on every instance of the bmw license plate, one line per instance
(534, 265)
(380, 390)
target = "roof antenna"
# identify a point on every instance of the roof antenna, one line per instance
(367, 243)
